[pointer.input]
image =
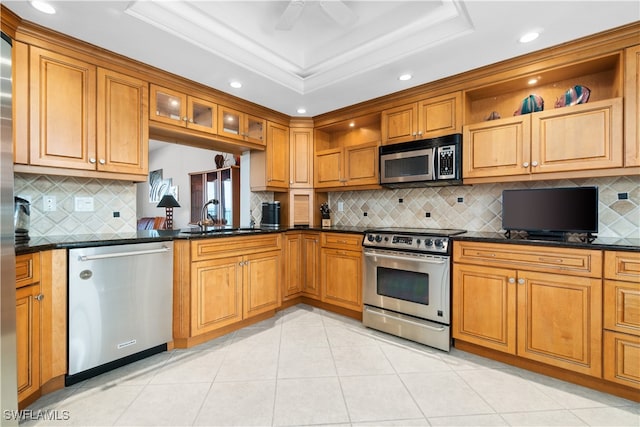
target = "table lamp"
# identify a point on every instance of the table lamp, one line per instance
(168, 202)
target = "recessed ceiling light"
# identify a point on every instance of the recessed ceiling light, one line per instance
(404, 77)
(235, 85)
(301, 110)
(43, 7)
(352, 124)
(533, 81)
(529, 37)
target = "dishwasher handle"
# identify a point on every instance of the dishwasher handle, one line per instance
(121, 254)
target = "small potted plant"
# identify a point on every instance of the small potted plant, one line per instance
(325, 212)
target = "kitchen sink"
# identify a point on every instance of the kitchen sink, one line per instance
(207, 230)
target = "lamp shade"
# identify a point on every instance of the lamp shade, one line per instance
(168, 201)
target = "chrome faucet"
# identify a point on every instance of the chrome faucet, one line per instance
(204, 215)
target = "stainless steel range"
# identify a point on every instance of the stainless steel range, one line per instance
(407, 283)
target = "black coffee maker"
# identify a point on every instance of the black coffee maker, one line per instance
(270, 215)
(21, 219)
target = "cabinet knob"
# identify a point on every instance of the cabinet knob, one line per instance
(420, 133)
(414, 134)
(534, 163)
(241, 263)
(520, 281)
(190, 120)
(102, 161)
(185, 118)
(92, 160)
(39, 297)
(512, 280)
(525, 165)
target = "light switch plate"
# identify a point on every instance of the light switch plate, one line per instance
(83, 204)
(340, 206)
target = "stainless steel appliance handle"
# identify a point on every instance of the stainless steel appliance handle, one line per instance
(436, 166)
(121, 254)
(404, 319)
(401, 258)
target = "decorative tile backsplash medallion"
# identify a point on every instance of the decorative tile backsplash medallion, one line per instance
(479, 207)
(108, 196)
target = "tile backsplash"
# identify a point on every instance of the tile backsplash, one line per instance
(479, 207)
(472, 207)
(108, 196)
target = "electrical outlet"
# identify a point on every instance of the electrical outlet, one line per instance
(623, 196)
(460, 199)
(49, 203)
(116, 214)
(427, 214)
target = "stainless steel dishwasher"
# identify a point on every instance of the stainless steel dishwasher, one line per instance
(120, 306)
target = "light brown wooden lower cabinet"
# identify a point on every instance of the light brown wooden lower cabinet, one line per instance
(622, 359)
(221, 282)
(569, 313)
(41, 327)
(622, 318)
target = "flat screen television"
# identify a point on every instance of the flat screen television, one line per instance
(551, 212)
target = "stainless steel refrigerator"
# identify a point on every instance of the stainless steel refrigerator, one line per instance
(8, 371)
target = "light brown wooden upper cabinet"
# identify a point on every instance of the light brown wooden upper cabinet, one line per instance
(581, 140)
(270, 167)
(301, 157)
(429, 118)
(179, 109)
(62, 94)
(82, 117)
(632, 106)
(346, 155)
(241, 126)
(123, 127)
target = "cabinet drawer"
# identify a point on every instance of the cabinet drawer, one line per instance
(241, 245)
(622, 266)
(578, 262)
(622, 306)
(342, 241)
(622, 359)
(27, 269)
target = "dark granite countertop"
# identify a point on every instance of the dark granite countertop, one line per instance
(600, 243)
(85, 240)
(37, 244)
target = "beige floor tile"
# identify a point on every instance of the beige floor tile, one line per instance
(305, 362)
(378, 398)
(189, 367)
(361, 360)
(469, 420)
(621, 416)
(309, 401)
(543, 418)
(244, 403)
(165, 405)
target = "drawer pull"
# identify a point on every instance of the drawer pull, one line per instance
(485, 254)
(554, 260)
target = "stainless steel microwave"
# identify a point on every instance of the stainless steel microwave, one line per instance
(428, 162)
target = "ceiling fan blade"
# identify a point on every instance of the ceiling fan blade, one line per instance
(339, 12)
(290, 15)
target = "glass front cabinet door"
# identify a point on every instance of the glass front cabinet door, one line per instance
(241, 126)
(178, 109)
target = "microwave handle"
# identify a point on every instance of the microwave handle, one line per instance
(436, 171)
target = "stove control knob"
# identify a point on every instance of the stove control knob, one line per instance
(386, 239)
(418, 241)
(439, 243)
(379, 238)
(428, 242)
(370, 237)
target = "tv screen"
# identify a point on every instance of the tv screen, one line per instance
(555, 210)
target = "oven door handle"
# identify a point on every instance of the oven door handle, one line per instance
(404, 319)
(400, 258)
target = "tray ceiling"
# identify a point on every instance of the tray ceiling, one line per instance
(324, 55)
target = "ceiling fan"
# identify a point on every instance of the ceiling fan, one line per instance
(335, 9)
